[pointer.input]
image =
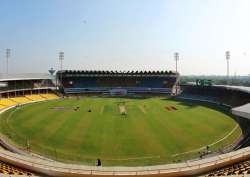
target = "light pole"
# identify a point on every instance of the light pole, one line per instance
(228, 58)
(7, 60)
(176, 58)
(61, 58)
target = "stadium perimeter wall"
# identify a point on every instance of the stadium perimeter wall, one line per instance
(53, 168)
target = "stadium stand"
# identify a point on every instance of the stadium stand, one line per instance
(20, 99)
(20, 89)
(23, 88)
(10, 170)
(227, 95)
(35, 97)
(242, 168)
(104, 81)
(7, 102)
(25, 81)
(49, 96)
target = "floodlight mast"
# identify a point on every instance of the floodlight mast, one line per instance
(227, 59)
(176, 58)
(7, 60)
(61, 58)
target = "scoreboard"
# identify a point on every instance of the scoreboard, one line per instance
(203, 82)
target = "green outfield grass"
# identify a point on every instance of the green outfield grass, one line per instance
(119, 131)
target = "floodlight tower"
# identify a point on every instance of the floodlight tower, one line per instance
(228, 58)
(7, 60)
(61, 58)
(176, 58)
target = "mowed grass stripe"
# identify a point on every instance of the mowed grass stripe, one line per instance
(90, 143)
(166, 127)
(69, 119)
(144, 134)
(178, 125)
(198, 120)
(113, 125)
(35, 129)
(156, 120)
(210, 118)
(28, 113)
(159, 133)
(125, 134)
(34, 125)
(196, 125)
(75, 137)
(107, 145)
(49, 129)
(25, 118)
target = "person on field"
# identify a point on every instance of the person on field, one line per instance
(98, 162)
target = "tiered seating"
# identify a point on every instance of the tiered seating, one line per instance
(236, 169)
(34, 97)
(7, 102)
(152, 83)
(49, 96)
(92, 81)
(20, 100)
(2, 106)
(86, 90)
(84, 82)
(11, 170)
(222, 94)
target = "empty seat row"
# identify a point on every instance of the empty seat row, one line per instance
(7, 169)
(8, 102)
(242, 168)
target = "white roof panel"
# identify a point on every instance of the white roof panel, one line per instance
(25, 76)
(240, 88)
(242, 111)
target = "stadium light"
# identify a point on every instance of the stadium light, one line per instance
(176, 58)
(7, 60)
(61, 58)
(228, 58)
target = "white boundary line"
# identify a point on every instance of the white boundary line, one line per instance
(194, 150)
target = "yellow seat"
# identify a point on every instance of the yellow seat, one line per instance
(2, 106)
(7, 102)
(20, 100)
(35, 97)
(49, 96)
(12, 170)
